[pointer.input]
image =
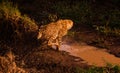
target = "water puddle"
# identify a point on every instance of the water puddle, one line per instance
(91, 55)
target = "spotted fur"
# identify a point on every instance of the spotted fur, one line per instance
(52, 33)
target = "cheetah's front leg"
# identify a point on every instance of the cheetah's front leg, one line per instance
(59, 41)
(54, 42)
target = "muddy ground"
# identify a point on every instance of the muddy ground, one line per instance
(91, 55)
(92, 37)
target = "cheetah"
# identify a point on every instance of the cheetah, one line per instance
(53, 32)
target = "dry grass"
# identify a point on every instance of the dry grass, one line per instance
(8, 65)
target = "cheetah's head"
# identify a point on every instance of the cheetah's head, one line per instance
(66, 23)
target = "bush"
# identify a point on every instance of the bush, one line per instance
(109, 23)
(79, 11)
(105, 18)
(13, 25)
(114, 69)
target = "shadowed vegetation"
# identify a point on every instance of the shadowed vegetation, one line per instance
(13, 25)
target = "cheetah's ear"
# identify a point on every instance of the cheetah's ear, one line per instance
(59, 21)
